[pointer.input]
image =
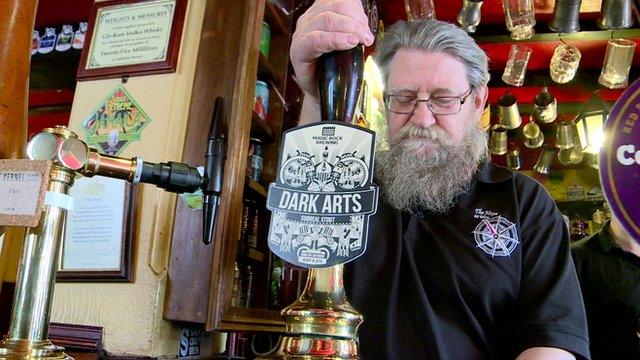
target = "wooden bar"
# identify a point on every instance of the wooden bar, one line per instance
(17, 19)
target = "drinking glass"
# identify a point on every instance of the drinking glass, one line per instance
(516, 65)
(419, 9)
(520, 18)
(617, 62)
(564, 63)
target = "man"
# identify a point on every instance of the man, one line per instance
(608, 266)
(465, 260)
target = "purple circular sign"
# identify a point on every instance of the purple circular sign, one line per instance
(620, 160)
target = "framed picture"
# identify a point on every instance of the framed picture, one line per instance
(99, 232)
(132, 37)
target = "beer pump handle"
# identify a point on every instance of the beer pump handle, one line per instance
(340, 75)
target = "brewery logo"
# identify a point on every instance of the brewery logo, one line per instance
(323, 195)
(115, 122)
(496, 235)
(620, 160)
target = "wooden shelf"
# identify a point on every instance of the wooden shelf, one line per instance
(252, 319)
(277, 19)
(255, 187)
(253, 254)
(260, 129)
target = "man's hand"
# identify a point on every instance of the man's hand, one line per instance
(328, 25)
(545, 353)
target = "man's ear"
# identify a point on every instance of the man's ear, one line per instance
(480, 99)
(482, 93)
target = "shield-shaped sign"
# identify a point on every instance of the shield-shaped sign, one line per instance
(620, 160)
(323, 195)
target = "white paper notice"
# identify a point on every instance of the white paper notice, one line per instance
(19, 192)
(130, 34)
(94, 229)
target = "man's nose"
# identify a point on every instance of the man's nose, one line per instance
(422, 116)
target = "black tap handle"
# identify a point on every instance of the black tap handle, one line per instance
(214, 170)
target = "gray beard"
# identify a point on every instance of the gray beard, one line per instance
(416, 178)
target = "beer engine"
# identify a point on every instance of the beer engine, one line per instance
(322, 324)
(70, 156)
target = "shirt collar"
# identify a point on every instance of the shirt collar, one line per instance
(493, 174)
(605, 238)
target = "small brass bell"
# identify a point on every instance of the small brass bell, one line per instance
(533, 137)
(545, 160)
(564, 135)
(508, 112)
(498, 140)
(545, 107)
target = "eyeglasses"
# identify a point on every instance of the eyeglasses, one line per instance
(439, 105)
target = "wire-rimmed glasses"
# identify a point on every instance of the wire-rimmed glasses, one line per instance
(407, 103)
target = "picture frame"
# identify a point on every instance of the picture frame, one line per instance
(132, 38)
(98, 241)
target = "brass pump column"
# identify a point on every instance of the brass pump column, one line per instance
(29, 329)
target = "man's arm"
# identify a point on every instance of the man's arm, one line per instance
(328, 25)
(545, 353)
(551, 310)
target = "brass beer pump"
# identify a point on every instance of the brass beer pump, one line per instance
(28, 333)
(322, 324)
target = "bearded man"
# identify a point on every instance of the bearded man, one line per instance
(465, 260)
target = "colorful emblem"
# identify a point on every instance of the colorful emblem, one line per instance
(323, 194)
(117, 121)
(496, 236)
(620, 160)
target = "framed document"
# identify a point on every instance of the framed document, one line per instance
(98, 232)
(132, 37)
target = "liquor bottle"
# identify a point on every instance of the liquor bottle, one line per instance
(256, 160)
(64, 38)
(237, 299)
(78, 37)
(247, 285)
(48, 41)
(35, 42)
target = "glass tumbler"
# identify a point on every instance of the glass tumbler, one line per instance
(564, 63)
(516, 65)
(520, 18)
(419, 9)
(617, 62)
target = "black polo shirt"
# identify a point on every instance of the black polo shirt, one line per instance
(487, 280)
(610, 282)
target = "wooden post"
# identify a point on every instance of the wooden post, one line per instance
(17, 20)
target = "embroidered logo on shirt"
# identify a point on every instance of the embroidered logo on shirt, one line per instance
(495, 235)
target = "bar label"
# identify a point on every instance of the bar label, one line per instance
(323, 195)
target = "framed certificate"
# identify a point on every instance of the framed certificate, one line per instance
(98, 232)
(132, 37)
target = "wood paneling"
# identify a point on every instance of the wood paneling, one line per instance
(199, 275)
